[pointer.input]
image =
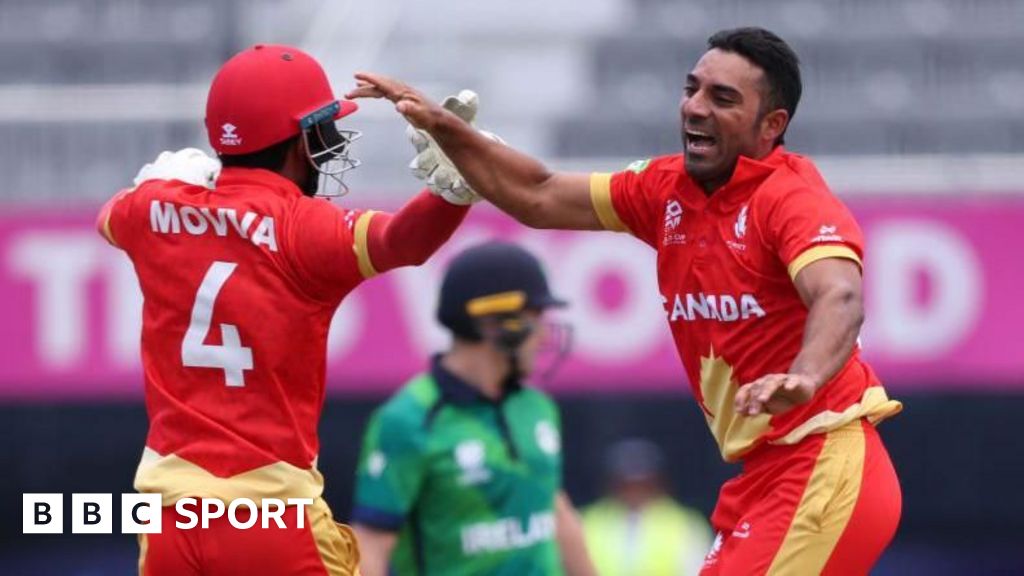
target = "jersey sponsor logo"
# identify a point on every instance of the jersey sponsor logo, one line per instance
(718, 307)
(827, 233)
(229, 135)
(470, 455)
(507, 534)
(548, 439)
(638, 166)
(169, 218)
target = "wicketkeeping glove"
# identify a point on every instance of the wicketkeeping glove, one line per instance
(431, 164)
(190, 165)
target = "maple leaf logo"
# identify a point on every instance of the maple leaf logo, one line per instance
(734, 433)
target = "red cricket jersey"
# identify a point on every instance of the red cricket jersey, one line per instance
(726, 265)
(240, 285)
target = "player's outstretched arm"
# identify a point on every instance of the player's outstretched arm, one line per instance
(375, 547)
(571, 543)
(831, 290)
(410, 236)
(514, 182)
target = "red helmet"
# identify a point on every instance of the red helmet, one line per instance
(265, 95)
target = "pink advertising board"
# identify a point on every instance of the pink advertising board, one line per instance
(945, 305)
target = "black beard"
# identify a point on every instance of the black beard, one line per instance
(312, 184)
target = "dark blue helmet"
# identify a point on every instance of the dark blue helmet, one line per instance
(491, 279)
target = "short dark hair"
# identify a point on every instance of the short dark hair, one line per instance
(270, 158)
(771, 54)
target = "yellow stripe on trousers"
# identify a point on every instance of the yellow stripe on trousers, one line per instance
(335, 542)
(826, 506)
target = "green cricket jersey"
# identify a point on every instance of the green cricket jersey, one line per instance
(468, 483)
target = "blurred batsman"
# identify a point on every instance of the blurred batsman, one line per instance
(759, 268)
(241, 275)
(461, 470)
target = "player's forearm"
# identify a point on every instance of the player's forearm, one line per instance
(830, 334)
(414, 233)
(375, 549)
(571, 543)
(511, 180)
(372, 563)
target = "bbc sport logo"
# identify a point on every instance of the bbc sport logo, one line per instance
(143, 513)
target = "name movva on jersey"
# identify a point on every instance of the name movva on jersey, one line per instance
(169, 218)
(720, 307)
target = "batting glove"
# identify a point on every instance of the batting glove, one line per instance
(433, 166)
(190, 165)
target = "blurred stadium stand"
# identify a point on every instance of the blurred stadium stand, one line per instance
(923, 96)
(89, 90)
(879, 76)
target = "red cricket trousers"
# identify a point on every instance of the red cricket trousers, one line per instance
(827, 505)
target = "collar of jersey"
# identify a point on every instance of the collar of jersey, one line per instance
(236, 176)
(747, 170)
(457, 391)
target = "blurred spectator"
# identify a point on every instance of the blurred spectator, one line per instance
(638, 529)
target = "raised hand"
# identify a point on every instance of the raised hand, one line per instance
(774, 394)
(418, 110)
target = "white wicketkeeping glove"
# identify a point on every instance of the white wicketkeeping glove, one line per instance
(190, 165)
(432, 166)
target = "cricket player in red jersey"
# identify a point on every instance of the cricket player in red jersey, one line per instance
(241, 282)
(759, 267)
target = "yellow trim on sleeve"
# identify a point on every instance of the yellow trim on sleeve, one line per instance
(601, 198)
(361, 244)
(501, 303)
(820, 253)
(106, 232)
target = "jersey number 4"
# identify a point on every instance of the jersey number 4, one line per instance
(231, 356)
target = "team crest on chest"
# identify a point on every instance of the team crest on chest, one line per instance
(739, 229)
